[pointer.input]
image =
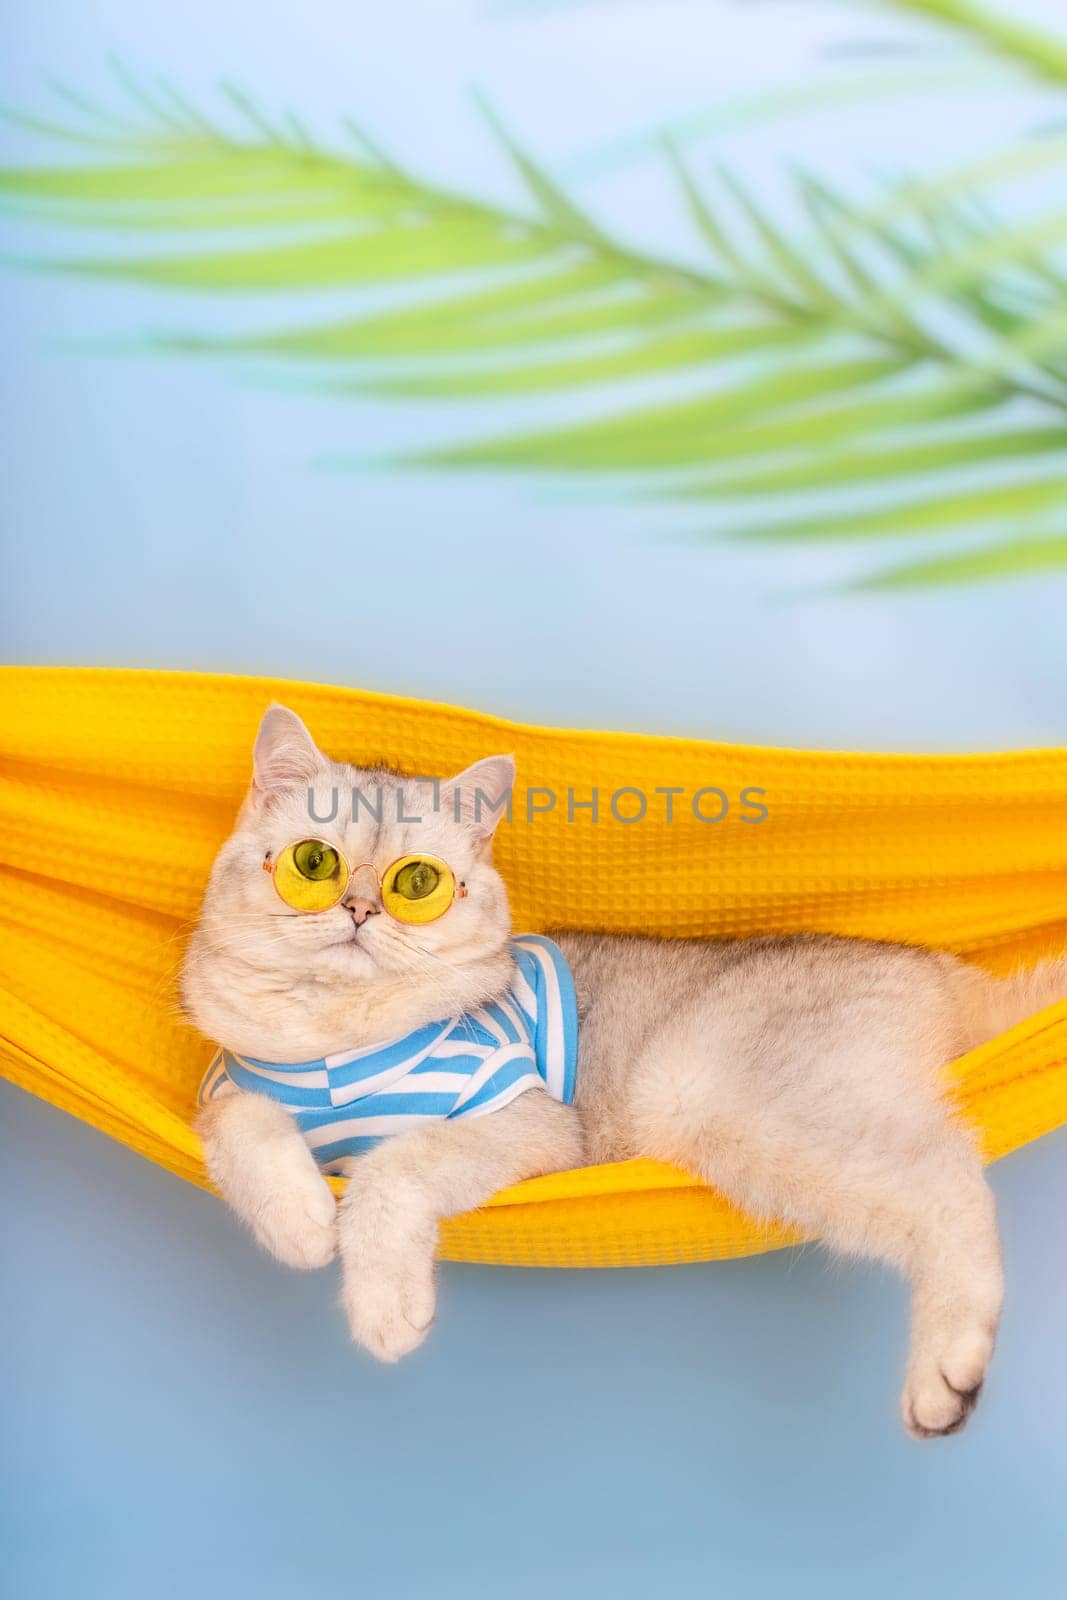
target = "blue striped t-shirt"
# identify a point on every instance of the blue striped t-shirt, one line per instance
(466, 1066)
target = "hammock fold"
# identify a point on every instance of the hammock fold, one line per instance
(116, 789)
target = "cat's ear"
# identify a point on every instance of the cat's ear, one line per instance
(480, 796)
(284, 753)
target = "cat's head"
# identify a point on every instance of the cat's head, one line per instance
(270, 979)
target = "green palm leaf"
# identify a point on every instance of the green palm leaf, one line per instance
(1011, 558)
(694, 348)
(679, 434)
(907, 461)
(962, 509)
(1006, 38)
(813, 361)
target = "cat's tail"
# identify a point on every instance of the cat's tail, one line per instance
(991, 1005)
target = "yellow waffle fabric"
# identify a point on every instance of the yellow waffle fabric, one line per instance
(116, 789)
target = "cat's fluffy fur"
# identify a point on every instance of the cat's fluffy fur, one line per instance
(799, 1076)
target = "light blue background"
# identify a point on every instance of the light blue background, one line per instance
(181, 1415)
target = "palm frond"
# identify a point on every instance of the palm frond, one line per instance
(1038, 51)
(908, 462)
(965, 509)
(1009, 558)
(870, 356)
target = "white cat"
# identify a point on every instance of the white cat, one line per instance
(800, 1077)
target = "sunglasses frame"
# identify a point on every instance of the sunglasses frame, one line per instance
(459, 890)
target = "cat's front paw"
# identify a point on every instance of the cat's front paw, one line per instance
(943, 1390)
(298, 1224)
(390, 1303)
(258, 1159)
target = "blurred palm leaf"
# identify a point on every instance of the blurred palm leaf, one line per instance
(1001, 35)
(863, 356)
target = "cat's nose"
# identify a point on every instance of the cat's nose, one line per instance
(360, 909)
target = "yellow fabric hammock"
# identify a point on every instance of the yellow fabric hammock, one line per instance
(117, 788)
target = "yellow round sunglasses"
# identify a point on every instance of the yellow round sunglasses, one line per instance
(311, 875)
